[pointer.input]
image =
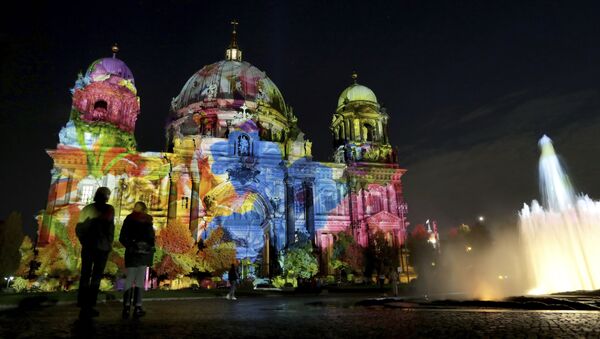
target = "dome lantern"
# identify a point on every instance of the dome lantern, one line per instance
(233, 52)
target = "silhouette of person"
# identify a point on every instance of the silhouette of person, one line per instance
(95, 231)
(233, 277)
(137, 235)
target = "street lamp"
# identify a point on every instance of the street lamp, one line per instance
(8, 280)
(481, 218)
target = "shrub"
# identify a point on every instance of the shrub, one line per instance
(106, 285)
(50, 285)
(182, 282)
(299, 262)
(20, 284)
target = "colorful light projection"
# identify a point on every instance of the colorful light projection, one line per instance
(561, 237)
(239, 183)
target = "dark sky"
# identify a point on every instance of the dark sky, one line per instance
(469, 86)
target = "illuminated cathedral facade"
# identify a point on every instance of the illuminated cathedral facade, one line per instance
(235, 158)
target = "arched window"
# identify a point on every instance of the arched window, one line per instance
(101, 104)
(243, 145)
(368, 132)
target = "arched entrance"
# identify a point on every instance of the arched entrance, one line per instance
(246, 216)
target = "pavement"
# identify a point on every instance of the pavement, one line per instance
(326, 316)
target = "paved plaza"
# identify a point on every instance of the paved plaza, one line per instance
(291, 317)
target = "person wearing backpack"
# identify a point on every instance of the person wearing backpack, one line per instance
(95, 231)
(137, 236)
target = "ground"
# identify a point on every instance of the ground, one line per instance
(297, 316)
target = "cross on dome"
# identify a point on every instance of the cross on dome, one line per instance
(115, 50)
(244, 108)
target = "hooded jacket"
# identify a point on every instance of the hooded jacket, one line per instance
(96, 226)
(137, 235)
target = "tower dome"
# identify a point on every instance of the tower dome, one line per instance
(356, 93)
(105, 67)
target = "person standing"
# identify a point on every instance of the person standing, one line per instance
(137, 235)
(394, 281)
(233, 277)
(95, 231)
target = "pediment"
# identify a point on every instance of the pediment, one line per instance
(383, 217)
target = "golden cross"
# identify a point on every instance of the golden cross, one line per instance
(234, 23)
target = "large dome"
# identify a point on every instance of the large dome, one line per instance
(356, 92)
(229, 83)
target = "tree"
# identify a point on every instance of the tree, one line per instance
(380, 254)
(175, 238)
(422, 255)
(27, 255)
(299, 261)
(219, 251)
(347, 253)
(11, 237)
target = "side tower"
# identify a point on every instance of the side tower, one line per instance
(373, 208)
(359, 127)
(95, 146)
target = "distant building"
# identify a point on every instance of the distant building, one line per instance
(235, 157)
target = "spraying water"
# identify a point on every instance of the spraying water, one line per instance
(562, 237)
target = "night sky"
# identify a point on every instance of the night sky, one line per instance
(470, 86)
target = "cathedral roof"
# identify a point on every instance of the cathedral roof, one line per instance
(229, 82)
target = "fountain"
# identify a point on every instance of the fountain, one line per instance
(561, 238)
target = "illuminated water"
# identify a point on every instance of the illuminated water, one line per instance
(562, 237)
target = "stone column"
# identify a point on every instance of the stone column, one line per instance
(67, 199)
(194, 204)
(290, 221)
(172, 209)
(266, 252)
(385, 134)
(352, 202)
(309, 210)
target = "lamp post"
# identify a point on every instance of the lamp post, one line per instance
(8, 280)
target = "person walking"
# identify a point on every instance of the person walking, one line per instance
(137, 236)
(95, 231)
(233, 277)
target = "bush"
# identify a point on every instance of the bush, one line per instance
(300, 262)
(20, 284)
(182, 282)
(106, 285)
(281, 282)
(50, 285)
(330, 279)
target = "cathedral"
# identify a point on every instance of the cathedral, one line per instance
(234, 158)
